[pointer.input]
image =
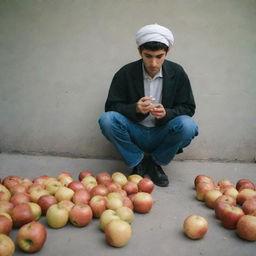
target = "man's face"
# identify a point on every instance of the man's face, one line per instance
(153, 60)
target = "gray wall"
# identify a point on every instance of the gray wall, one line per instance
(57, 59)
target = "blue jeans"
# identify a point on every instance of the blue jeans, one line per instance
(132, 140)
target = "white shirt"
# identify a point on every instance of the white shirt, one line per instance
(152, 88)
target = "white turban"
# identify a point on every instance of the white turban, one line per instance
(154, 33)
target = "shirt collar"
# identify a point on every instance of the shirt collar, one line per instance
(159, 74)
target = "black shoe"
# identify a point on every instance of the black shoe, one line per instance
(157, 175)
(141, 168)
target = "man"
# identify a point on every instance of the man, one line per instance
(149, 107)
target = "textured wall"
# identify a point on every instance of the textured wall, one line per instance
(57, 59)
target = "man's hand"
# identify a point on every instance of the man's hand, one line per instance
(144, 105)
(158, 111)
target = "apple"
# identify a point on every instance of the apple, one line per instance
(195, 226)
(45, 202)
(130, 187)
(135, 178)
(11, 181)
(7, 215)
(203, 178)
(63, 174)
(64, 193)
(125, 213)
(246, 227)
(114, 203)
(202, 188)
(19, 198)
(226, 199)
(66, 204)
(244, 183)
(84, 173)
(223, 188)
(41, 179)
(231, 192)
(119, 178)
(57, 216)
(211, 197)
(21, 214)
(76, 185)
(36, 210)
(225, 182)
(31, 237)
(112, 186)
(35, 186)
(122, 192)
(81, 196)
(36, 193)
(128, 202)
(52, 185)
(249, 206)
(146, 185)
(5, 225)
(4, 193)
(6, 206)
(26, 182)
(18, 188)
(89, 182)
(98, 205)
(244, 195)
(219, 208)
(103, 178)
(100, 190)
(114, 195)
(7, 246)
(142, 202)
(106, 217)
(118, 233)
(65, 180)
(80, 215)
(230, 216)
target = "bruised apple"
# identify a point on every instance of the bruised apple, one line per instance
(195, 226)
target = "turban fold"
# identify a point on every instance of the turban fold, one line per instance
(156, 33)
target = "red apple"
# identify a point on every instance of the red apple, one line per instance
(63, 174)
(18, 188)
(41, 179)
(142, 202)
(244, 195)
(35, 186)
(128, 202)
(246, 227)
(36, 193)
(31, 237)
(80, 215)
(45, 202)
(130, 187)
(103, 178)
(36, 210)
(249, 206)
(76, 185)
(100, 190)
(21, 214)
(84, 173)
(11, 181)
(6, 206)
(81, 196)
(230, 216)
(57, 216)
(231, 192)
(118, 233)
(112, 186)
(226, 199)
(203, 178)
(98, 205)
(245, 183)
(7, 246)
(20, 198)
(211, 197)
(219, 208)
(202, 188)
(5, 225)
(146, 185)
(195, 227)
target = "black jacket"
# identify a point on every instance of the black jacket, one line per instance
(127, 88)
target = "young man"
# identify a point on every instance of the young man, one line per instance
(149, 107)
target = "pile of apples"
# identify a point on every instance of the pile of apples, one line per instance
(234, 206)
(112, 199)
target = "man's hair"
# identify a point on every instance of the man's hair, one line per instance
(154, 46)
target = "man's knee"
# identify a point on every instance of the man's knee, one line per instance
(109, 119)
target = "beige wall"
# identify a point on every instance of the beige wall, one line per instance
(57, 59)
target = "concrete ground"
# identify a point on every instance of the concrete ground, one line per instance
(156, 233)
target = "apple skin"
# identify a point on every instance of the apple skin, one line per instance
(219, 208)
(128, 202)
(119, 178)
(64, 193)
(7, 246)
(31, 237)
(103, 178)
(98, 205)
(57, 216)
(114, 203)
(36, 210)
(100, 190)
(126, 214)
(211, 197)
(130, 187)
(5, 194)
(203, 178)
(231, 192)
(84, 173)
(5, 225)
(45, 202)
(20, 198)
(10, 181)
(80, 215)
(146, 185)
(244, 195)
(226, 199)
(202, 188)
(65, 180)
(249, 206)
(41, 179)
(135, 178)
(81, 196)
(21, 214)
(52, 185)
(246, 228)
(142, 202)
(36, 193)
(118, 233)
(112, 186)
(18, 188)
(225, 182)
(230, 216)
(244, 183)
(76, 185)
(6, 206)
(106, 217)
(195, 226)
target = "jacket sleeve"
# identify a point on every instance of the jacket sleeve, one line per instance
(184, 103)
(120, 100)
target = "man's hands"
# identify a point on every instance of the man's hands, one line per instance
(145, 106)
